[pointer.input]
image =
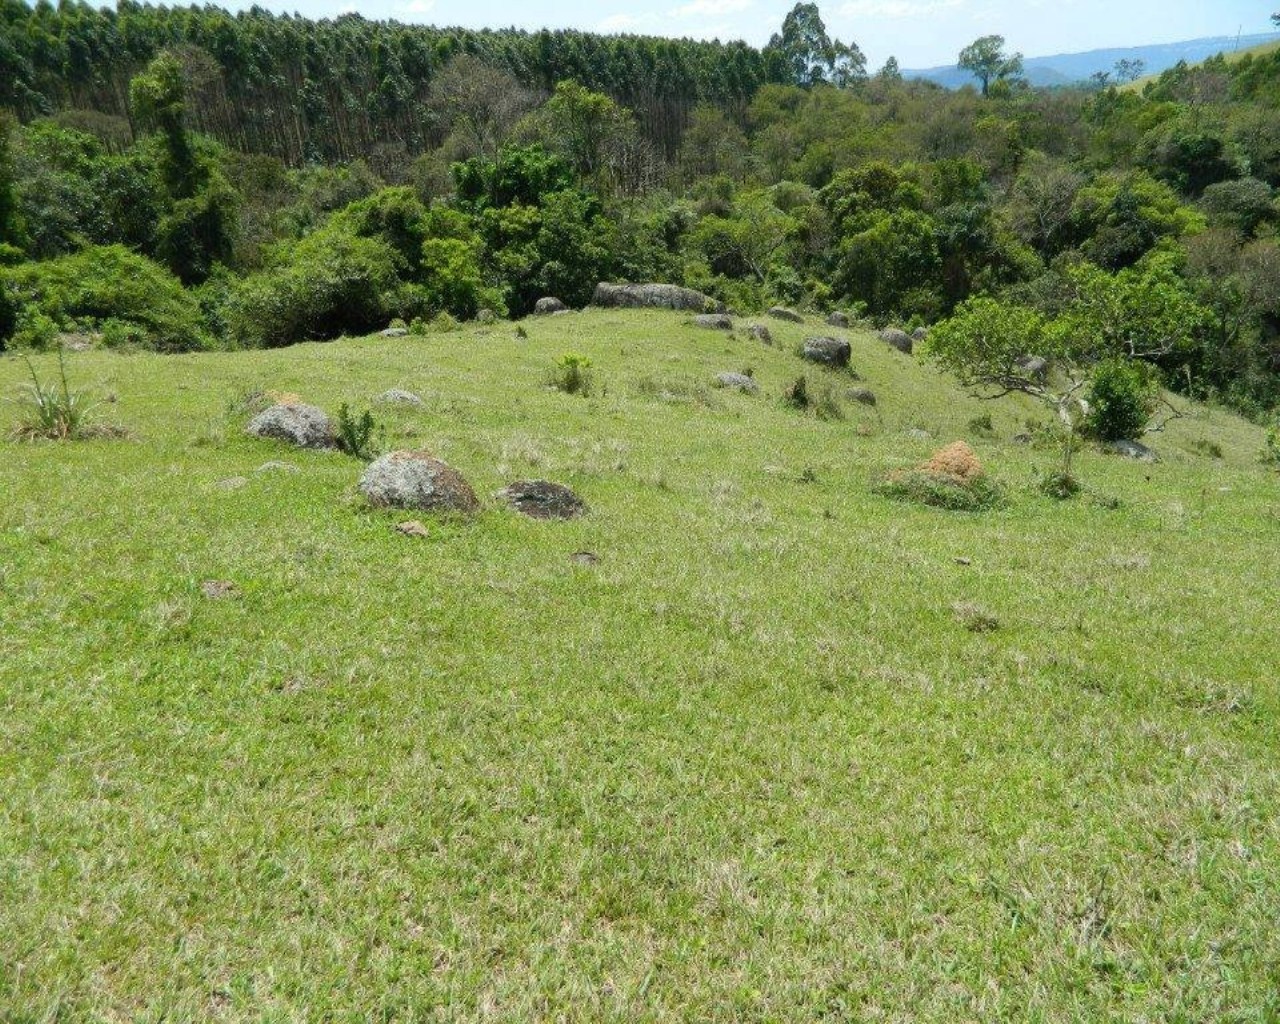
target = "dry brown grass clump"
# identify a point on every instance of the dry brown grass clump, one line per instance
(956, 462)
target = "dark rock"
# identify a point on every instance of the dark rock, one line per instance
(547, 305)
(1035, 367)
(417, 480)
(862, 395)
(900, 340)
(760, 333)
(782, 313)
(740, 381)
(837, 319)
(1133, 450)
(828, 351)
(302, 425)
(653, 296)
(541, 499)
(714, 321)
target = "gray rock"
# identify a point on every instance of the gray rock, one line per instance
(486, 316)
(1035, 367)
(919, 334)
(302, 425)
(900, 340)
(232, 483)
(397, 396)
(1023, 438)
(394, 332)
(837, 319)
(760, 333)
(547, 305)
(541, 499)
(863, 396)
(277, 467)
(417, 480)
(782, 313)
(739, 381)
(1133, 450)
(916, 434)
(828, 351)
(653, 296)
(714, 321)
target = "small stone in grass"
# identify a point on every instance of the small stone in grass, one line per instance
(276, 466)
(412, 528)
(232, 483)
(219, 590)
(584, 558)
(974, 618)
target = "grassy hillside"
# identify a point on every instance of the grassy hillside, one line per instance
(1232, 57)
(751, 766)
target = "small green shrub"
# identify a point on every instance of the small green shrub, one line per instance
(1271, 444)
(797, 394)
(1209, 449)
(940, 491)
(56, 412)
(1059, 486)
(982, 424)
(572, 374)
(1123, 394)
(359, 436)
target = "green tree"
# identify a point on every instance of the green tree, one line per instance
(158, 99)
(811, 56)
(10, 223)
(987, 61)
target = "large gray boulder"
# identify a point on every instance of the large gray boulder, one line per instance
(417, 480)
(900, 340)
(542, 499)
(547, 305)
(394, 332)
(782, 313)
(714, 321)
(303, 425)
(738, 382)
(827, 351)
(837, 319)
(653, 296)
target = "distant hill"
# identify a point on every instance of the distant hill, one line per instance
(1070, 68)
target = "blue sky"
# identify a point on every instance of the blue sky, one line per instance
(919, 33)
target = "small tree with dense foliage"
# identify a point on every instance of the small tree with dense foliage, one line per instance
(986, 60)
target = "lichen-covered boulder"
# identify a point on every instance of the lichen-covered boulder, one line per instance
(782, 313)
(895, 338)
(542, 499)
(837, 319)
(398, 396)
(653, 296)
(827, 351)
(303, 425)
(919, 334)
(738, 382)
(714, 321)
(417, 480)
(547, 305)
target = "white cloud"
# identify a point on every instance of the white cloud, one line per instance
(417, 7)
(710, 8)
(896, 8)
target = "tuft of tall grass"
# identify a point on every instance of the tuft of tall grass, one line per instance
(54, 411)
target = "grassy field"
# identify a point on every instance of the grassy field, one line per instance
(1232, 56)
(750, 766)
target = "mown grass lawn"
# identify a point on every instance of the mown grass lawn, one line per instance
(750, 766)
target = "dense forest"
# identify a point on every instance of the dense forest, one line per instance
(183, 178)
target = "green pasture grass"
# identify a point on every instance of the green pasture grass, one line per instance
(790, 750)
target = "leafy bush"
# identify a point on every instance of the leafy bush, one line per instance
(1122, 396)
(109, 282)
(1060, 486)
(572, 374)
(328, 284)
(1271, 444)
(8, 314)
(359, 436)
